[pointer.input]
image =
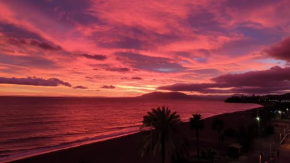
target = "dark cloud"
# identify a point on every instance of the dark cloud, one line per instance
(204, 21)
(248, 4)
(34, 81)
(118, 69)
(70, 12)
(200, 59)
(199, 55)
(206, 71)
(189, 87)
(100, 77)
(266, 78)
(44, 45)
(85, 18)
(280, 50)
(182, 53)
(157, 64)
(108, 67)
(80, 87)
(10, 30)
(201, 73)
(254, 35)
(95, 57)
(123, 43)
(130, 37)
(137, 78)
(273, 80)
(33, 42)
(50, 5)
(259, 36)
(89, 77)
(237, 47)
(17, 42)
(108, 87)
(28, 61)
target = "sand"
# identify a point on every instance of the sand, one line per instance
(126, 149)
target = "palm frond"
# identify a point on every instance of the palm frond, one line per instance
(162, 122)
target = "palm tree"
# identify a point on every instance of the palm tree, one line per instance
(164, 135)
(218, 125)
(196, 124)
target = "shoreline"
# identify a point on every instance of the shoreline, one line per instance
(133, 138)
(45, 150)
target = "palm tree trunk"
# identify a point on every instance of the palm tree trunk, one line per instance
(197, 145)
(163, 147)
(219, 143)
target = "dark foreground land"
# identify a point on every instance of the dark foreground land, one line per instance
(126, 149)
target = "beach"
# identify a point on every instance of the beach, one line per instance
(126, 148)
(37, 125)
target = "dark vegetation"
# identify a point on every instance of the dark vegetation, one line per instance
(272, 100)
(162, 136)
(196, 123)
(210, 155)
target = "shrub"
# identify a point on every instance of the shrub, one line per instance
(230, 132)
(210, 155)
(269, 130)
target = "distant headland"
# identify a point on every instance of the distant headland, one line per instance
(167, 95)
(177, 95)
(283, 99)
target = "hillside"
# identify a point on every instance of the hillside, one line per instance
(167, 95)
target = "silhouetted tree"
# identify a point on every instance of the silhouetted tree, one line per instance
(246, 135)
(164, 135)
(230, 132)
(209, 155)
(218, 125)
(196, 124)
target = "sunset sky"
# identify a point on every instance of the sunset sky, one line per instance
(132, 47)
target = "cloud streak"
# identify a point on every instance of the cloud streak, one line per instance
(33, 42)
(108, 87)
(36, 62)
(34, 81)
(273, 80)
(118, 69)
(149, 63)
(95, 57)
(80, 87)
(136, 78)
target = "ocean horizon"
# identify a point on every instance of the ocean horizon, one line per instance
(33, 125)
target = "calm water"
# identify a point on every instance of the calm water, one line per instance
(32, 125)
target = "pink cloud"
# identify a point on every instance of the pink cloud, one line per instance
(164, 42)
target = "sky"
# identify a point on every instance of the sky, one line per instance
(130, 47)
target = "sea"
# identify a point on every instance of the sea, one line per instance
(35, 125)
